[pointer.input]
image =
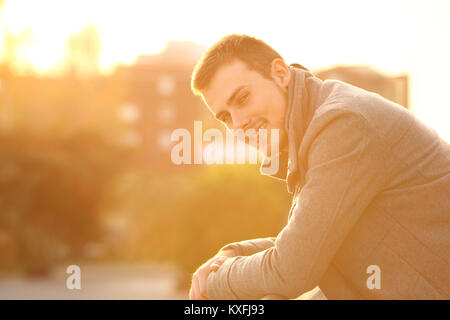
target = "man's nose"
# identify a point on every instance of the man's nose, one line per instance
(240, 121)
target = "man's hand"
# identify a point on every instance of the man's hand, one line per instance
(198, 286)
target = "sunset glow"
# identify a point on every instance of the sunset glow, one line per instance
(392, 36)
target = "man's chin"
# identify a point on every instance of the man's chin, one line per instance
(272, 149)
(268, 143)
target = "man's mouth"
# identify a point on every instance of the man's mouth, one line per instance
(257, 127)
(261, 125)
(259, 134)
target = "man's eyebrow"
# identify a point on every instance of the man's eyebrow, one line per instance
(233, 96)
(230, 100)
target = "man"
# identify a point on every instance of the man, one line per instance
(370, 215)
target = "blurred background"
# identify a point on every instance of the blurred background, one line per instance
(90, 92)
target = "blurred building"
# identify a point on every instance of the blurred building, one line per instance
(139, 106)
(160, 99)
(394, 88)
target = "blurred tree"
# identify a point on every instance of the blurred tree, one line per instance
(83, 52)
(49, 193)
(185, 217)
(12, 47)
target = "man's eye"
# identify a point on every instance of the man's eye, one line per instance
(243, 99)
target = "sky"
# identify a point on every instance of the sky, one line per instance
(410, 36)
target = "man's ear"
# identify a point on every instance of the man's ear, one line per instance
(280, 73)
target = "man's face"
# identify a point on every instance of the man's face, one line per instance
(243, 99)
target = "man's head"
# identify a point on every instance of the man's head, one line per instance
(244, 82)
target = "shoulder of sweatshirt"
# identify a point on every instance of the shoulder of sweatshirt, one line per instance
(384, 118)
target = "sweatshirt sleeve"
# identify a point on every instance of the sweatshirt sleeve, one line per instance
(345, 171)
(249, 247)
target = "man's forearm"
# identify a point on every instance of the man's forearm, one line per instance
(249, 247)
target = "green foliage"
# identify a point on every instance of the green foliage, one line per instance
(185, 217)
(49, 193)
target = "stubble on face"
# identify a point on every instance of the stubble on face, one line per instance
(243, 98)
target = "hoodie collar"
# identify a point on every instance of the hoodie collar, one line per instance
(302, 91)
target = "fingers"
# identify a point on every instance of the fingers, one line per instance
(192, 290)
(202, 286)
(217, 263)
(198, 288)
(196, 293)
(200, 277)
(193, 293)
(229, 253)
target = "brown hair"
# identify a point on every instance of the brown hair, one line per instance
(255, 53)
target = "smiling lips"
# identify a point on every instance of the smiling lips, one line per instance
(261, 125)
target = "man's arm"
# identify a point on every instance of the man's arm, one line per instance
(249, 247)
(345, 172)
(198, 285)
